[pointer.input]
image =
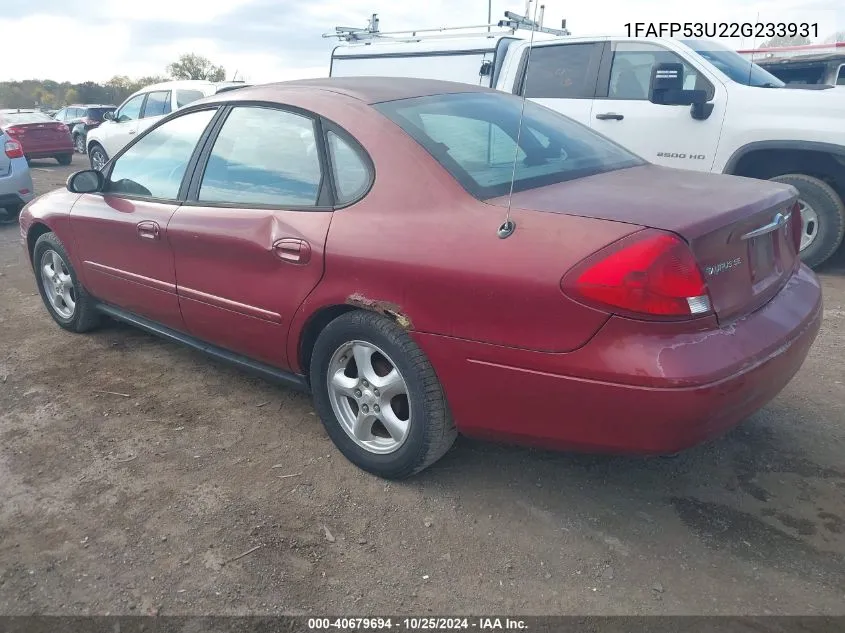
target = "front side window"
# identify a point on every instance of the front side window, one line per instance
(633, 62)
(263, 156)
(154, 166)
(60, 115)
(131, 110)
(158, 104)
(563, 71)
(473, 136)
(351, 176)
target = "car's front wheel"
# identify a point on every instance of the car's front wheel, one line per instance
(378, 396)
(97, 157)
(66, 299)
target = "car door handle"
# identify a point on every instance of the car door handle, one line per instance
(149, 230)
(292, 250)
(610, 116)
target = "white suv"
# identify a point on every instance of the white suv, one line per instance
(141, 110)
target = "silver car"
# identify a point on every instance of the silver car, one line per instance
(15, 180)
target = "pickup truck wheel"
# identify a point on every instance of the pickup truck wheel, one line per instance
(822, 216)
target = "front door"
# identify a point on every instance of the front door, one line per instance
(664, 135)
(116, 134)
(249, 242)
(122, 233)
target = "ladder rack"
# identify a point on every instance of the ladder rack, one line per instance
(510, 25)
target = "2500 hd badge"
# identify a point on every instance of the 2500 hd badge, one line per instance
(676, 155)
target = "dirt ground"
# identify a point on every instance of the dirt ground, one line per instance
(145, 504)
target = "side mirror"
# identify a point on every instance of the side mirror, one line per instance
(88, 181)
(667, 88)
(108, 116)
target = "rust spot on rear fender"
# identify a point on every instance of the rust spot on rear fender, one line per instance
(388, 309)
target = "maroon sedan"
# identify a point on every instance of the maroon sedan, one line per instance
(349, 237)
(41, 135)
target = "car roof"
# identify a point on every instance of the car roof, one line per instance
(370, 90)
(89, 105)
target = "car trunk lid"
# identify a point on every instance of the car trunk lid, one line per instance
(737, 228)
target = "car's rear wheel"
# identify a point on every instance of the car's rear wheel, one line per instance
(822, 217)
(66, 299)
(378, 396)
(79, 143)
(64, 159)
(97, 156)
(9, 215)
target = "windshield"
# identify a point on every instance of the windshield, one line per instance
(473, 136)
(734, 65)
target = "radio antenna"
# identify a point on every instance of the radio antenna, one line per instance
(753, 47)
(509, 226)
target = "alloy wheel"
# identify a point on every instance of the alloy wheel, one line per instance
(58, 284)
(369, 397)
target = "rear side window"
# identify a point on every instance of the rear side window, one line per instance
(473, 136)
(565, 71)
(158, 104)
(263, 156)
(351, 175)
(154, 166)
(184, 97)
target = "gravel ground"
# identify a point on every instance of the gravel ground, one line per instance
(146, 503)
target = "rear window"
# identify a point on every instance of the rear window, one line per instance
(97, 113)
(22, 118)
(473, 136)
(184, 97)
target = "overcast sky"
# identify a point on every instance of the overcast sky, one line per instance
(271, 40)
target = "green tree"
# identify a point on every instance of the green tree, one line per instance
(192, 66)
(71, 96)
(778, 42)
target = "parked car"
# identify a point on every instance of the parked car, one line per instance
(80, 119)
(143, 109)
(622, 307)
(40, 135)
(605, 82)
(15, 180)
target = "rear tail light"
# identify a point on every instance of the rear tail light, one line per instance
(14, 131)
(797, 226)
(13, 149)
(650, 274)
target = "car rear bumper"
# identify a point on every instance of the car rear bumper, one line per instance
(16, 187)
(628, 390)
(49, 151)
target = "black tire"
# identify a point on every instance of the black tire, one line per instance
(85, 316)
(64, 159)
(831, 214)
(94, 152)
(79, 143)
(9, 215)
(431, 431)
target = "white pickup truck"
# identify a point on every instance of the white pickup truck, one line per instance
(723, 114)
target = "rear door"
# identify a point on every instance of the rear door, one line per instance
(156, 107)
(561, 77)
(122, 233)
(249, 241)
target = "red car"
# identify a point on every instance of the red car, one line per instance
(41, 135)
(349, 237)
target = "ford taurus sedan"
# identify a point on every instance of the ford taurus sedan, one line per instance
(426, 260)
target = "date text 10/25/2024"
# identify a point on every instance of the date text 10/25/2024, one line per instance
(722, 29)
